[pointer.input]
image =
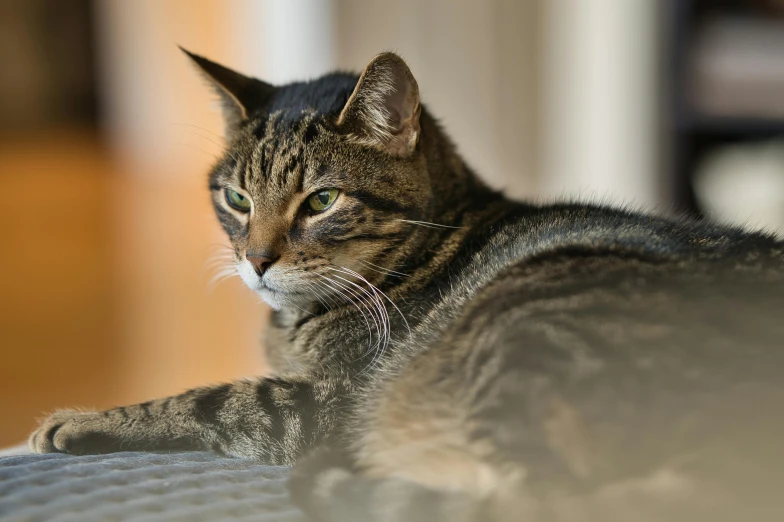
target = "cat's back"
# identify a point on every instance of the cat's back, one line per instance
(606, 299)
(526, 232)
(591, 345)
(582, 251)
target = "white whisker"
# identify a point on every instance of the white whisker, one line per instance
(379, 303)
(379, 292)
(375, 289)
(378, 311)
(220, 144)
(349, 297)
(199, 149)
(377, 319)
(312, 286)
(371, 347)
(220, 265)
(219, 277)
(426, 224)
(290, 302)
(382, 270)
(207, 138)
(197, 127)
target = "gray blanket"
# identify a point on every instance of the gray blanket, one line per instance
(142, 487)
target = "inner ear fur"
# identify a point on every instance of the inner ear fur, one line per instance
(384, 109)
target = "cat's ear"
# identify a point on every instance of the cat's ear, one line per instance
(384, 108)
(239, 94)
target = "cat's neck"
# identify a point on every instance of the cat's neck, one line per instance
(461, 204)
(456, 189)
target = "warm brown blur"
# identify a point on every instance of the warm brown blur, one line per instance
(105, 265)
(58, 306)
(107, 133)
(78, 241)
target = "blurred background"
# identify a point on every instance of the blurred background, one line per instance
(107, 134)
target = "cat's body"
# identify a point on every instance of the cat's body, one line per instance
(454, 355)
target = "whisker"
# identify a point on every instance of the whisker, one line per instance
(426, 224)
(289, 302)
(386, 271)
(359, 276)
(223, 275)
(196, 127)
(379, 305)
(380, 272)
(381, 320)
(371, 348)
(313, 286)
(345, 292)
(376, 318)
(199, 149)
(202, 136)
(221, 255)
(221, 144)
(221, 265)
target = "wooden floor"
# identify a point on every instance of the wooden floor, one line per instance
(103, 285)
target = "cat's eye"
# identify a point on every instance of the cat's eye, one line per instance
(322, 200)
(237, 201)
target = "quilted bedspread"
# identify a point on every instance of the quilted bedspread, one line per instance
(142, 487)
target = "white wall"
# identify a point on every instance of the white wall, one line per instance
(283, 40)
(475, 63)
(599, 101)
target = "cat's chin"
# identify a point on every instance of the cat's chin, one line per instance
(279, 300)
(273, 297)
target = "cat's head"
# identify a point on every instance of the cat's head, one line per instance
(321, 179)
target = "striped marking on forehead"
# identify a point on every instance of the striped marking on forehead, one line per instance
(278, 158)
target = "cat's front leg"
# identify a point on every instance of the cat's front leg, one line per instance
(268, 419)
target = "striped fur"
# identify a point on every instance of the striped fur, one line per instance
(443, 353)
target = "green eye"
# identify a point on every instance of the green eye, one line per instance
(237, 201)
(322, 199)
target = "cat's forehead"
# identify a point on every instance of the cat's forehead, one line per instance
(278, 146)
(274, 157)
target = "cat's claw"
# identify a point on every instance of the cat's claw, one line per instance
(68, 431)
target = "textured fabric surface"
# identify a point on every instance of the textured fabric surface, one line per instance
(142, 487)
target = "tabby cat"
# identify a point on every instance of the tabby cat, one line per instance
(440, 352)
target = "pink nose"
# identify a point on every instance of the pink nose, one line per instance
(260, 262)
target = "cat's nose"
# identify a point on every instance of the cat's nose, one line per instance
(261, 262)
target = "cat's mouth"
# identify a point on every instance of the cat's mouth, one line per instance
(262, 285)
(279, 289)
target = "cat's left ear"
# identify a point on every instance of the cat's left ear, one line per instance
(384, 109)
(240, 95)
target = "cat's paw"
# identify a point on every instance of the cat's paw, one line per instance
(72, 432)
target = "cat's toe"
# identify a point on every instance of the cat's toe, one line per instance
(65, 431)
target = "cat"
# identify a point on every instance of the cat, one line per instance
(441, 352)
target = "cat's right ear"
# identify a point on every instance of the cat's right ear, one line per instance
(239, 94)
